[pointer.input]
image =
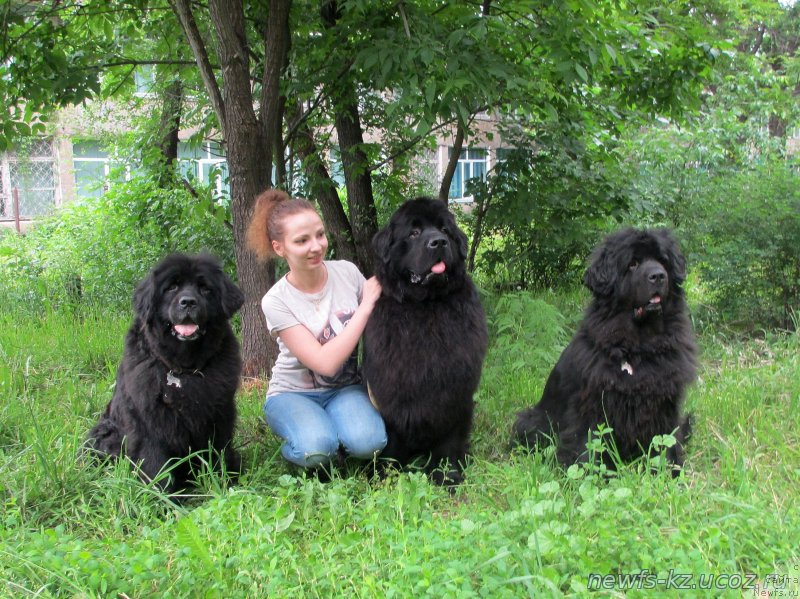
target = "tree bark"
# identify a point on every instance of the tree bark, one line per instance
(168, 127)
(358, 181)
(276, 50)
(188, 23)
(360, 201)
(452, 163)
(249, 175)
(777, 126)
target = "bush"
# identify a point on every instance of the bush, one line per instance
(743, 241)
(542, 209)
(94, 252)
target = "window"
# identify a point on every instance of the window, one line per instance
(32, 171)
(204, 163)
(503, 154)
(472, 164)
(91, 164)
(144, 78)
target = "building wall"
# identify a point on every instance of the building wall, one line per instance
(480, 154)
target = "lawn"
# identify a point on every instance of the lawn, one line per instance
(519, 526)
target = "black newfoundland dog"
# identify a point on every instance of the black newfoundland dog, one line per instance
(180, 370)
(425, 341)
(631, 359)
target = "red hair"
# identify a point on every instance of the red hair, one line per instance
(266, 225)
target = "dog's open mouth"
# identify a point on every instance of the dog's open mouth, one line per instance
(186, 332)
(437, 269)
(654, 305)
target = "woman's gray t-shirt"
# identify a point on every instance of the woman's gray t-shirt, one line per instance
(325, 314)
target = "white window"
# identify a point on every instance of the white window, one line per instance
(91, 164)
(144, 80)
(205, 163)
(31, 170)
(472, 164)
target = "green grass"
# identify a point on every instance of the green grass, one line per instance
(518, 527)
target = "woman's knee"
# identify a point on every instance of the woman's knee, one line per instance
(310, 451)
(309, 435)
(365, 444)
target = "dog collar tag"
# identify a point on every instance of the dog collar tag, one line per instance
(173, 380)
(626, 366)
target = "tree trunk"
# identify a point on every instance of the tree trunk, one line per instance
(360, 201)
(249, 175)
(168, 126)
(276, 50)
(481, 208)
(777, 126)
(347, 121)
(452, 164)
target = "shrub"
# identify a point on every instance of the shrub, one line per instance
(541, 210)
(744, 240)
(95, 251)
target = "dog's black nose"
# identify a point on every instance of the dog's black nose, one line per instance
(656, 273)
(187, 301)
(440, 241)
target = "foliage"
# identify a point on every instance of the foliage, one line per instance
(276, 85)
(527, 333)
(414, 72)
(519, 526)
(726, 178)
(95, 252)
(544, 207)
(743, 240)
(46, 61)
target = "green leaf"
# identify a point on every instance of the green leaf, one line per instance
(188, 535)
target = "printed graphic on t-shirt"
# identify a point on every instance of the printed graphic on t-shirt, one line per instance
(348, 373)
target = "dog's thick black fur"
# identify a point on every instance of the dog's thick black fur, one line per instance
(179, 373)
(631, 359)
(426, 339)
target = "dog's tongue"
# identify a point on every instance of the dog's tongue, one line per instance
(656, 299)
(438, 268)
(185, 330)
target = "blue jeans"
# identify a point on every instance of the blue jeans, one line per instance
(314, 423)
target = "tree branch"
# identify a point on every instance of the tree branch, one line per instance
(412, 142)
(276, 47)
(132, 62)
(183, 11)
(292, 130)
(452, 163)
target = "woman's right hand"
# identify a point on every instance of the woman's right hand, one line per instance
(328, 359)
(370, 293)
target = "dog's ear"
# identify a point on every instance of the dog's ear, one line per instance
(382, 242)
(670, 249)
(601, 276)
(232, 296)
(457, 234)
(144, 297)
(462, 243)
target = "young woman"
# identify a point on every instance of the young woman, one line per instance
(318, 310)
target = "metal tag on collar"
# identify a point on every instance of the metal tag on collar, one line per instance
(173, 380)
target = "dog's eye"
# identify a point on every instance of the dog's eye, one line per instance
(172, 287)
(414, 233)
(633, 265)
(205, 290)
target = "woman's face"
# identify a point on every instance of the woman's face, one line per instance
(304, 243)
